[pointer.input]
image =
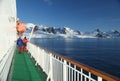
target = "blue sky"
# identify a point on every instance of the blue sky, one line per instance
(83, 15)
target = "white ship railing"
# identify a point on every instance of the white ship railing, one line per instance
(5, 63)
(59, 68)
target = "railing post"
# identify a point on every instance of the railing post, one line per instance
(65, 71)
(51, 67)
(81, 74)
(99, 79)
(75, 73)
(50, 75)
(89, 76)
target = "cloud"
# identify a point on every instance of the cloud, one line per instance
(49, 2)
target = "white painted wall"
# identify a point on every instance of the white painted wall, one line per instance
(7, 25)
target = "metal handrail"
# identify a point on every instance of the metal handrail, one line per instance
(66, 64)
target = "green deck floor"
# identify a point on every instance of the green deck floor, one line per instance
(24, 69)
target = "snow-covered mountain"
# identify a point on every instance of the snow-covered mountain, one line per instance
(67, 32)
(98, 33)
(114, 33)
(109, 34)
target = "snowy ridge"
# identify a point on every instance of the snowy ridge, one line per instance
(66, 32)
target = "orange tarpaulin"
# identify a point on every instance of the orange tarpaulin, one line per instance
(21, 27)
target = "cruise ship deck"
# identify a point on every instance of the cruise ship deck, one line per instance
(24, 69)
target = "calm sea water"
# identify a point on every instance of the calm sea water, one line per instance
(102, 54)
